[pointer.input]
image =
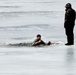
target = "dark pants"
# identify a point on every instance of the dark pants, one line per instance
(70, 35)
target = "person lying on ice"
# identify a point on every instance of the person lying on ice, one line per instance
(38, 41)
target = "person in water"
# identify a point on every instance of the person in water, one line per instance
(38, 41)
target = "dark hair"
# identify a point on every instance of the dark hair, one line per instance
(68, 5)
(38, 35)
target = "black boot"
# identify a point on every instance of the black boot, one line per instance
(68, 44)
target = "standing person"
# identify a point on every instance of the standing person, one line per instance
(69, 23)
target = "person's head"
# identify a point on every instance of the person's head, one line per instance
(68, 5)
(38, 37)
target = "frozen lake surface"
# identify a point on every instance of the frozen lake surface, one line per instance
(21, 21)
(55, 60)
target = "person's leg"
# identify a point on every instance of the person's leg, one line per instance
(71, 36)
(67, 32)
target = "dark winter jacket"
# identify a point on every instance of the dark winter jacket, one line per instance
(37, 43)
(70, 16)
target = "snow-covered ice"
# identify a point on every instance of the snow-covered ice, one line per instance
(21, 21)
(55, 60)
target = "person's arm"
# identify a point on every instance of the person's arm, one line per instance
(70, 15)
(35, 43)
(67, 17)
(42, 42)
